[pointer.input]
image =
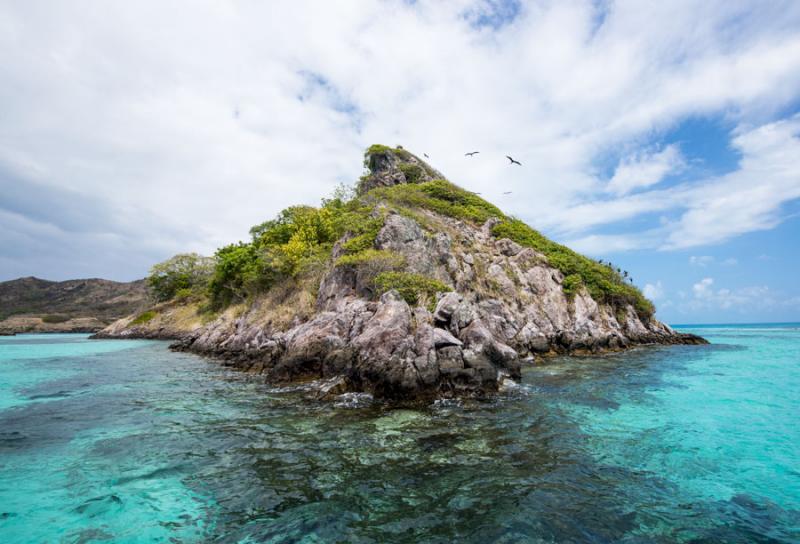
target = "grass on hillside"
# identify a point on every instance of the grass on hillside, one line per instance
(144, 317)
(414, 288)
(603, 282)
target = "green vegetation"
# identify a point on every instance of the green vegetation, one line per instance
(55, 318)
(372, 257)
(412, 172)
(604, 283)
(236, 272)
(144, 317)
(571, 285)
(299, 241)
(413, 288)
(439, 196)
(186, 272)
(368, 230)
(374, 149)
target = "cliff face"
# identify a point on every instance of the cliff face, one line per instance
(36, 305)
(439, 303)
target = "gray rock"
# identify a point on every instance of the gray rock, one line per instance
(331, 388)
(446, 306)
(508, 247)
(386, 170)
(450, 360)
(443, 339)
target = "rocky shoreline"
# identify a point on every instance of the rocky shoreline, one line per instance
(393, 350)
(471, 362)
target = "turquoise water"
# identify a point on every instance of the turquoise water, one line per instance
(125, 441)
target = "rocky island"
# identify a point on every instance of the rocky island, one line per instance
(411, 287)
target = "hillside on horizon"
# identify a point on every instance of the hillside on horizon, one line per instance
(31, 304)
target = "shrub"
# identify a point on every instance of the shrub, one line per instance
(237, 270)
(377, 148)
(185, 294)
(366, 233)
(55, 318)
(412, 172)
(144, 317)
(184, 271)
(299, 240)
(571, 284)
(412, 287)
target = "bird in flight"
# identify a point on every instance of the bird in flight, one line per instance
(471, 153)
(513, 161)
(426, 155)
(507, 193)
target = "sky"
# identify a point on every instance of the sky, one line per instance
(663, 136)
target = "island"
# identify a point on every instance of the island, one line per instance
(407, 287)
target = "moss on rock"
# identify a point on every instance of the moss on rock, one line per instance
(144, 317)
(414, 288)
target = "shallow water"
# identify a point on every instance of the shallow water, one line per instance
(125, 441)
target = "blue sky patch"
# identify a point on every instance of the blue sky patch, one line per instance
(494, 14)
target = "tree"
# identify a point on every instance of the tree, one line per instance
(186, 272)
(237, 271)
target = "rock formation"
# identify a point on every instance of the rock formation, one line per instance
(499, 303)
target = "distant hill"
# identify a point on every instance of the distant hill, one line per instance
(35, 305)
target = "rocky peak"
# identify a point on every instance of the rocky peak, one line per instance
(392, 166)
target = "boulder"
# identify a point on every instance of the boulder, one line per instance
(443, 339)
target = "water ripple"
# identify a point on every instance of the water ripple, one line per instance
(669, 444)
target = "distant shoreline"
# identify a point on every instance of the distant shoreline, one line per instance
(749, 324)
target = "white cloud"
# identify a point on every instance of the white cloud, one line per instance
(701, 260)
(644, 169)
(710, 210)
(730, 261)
(185, 123)
(746, 299)
(653, 291)
(748, 199)
(703, 289)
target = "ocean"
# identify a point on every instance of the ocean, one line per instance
(125, 441)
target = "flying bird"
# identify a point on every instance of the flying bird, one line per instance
(513, 161)
(425, 155)
(507, 193)
(471, 153)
